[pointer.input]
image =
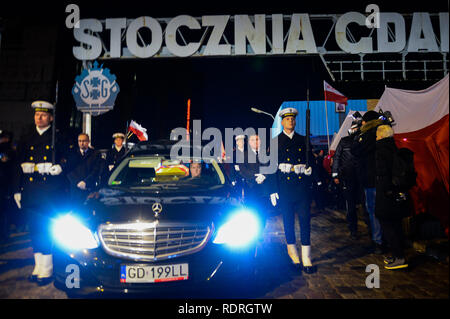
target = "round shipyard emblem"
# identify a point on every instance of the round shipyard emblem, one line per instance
(157, 209)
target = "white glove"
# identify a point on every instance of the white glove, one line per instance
(299, 169)
(285, 168)
(110, 167)
(260, 178)
(81, 185)
(308, 171)
(236, 168)
(27, 167)
(273, 198)
(18, 198)
(44, 168)
(55, 169)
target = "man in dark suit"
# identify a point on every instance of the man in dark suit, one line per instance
(294, 188)
(85, 166)
(39, 185)
(258, 187)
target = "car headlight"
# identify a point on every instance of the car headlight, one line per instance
(240, 230)
(70, 233)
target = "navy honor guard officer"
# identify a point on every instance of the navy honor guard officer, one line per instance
(39, 185)
(294, 189)
(115, 154)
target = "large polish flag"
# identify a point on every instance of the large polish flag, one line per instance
(331, 94)
(422, 125)
(137, 129)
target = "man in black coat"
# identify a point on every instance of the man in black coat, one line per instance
(345, 170)
(363, 149)
(258, 187)
(84, 173)
(389, 208)
(39, 185)
(294, 188)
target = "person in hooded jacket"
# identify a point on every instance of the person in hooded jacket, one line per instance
(389, 208)
(363, 148)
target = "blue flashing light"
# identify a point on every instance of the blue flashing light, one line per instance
(240, 230)
(71, 234)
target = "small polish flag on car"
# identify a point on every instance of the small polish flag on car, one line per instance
(137, 129)
(331, 94)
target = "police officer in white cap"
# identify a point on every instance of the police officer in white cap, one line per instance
(39, 185)
(116, 153)
(294, 191)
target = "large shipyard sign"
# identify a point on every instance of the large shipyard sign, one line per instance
(260, 34)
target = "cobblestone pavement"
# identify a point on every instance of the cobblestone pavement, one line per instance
(341, 268)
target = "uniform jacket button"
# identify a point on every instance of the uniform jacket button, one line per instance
(45, 158)
(288, 177)
(31, 147)
(31, 179)
(47, 147)
(31, 158)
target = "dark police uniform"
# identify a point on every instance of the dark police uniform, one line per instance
(42, 194)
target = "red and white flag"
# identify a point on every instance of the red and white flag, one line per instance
(137, 129)
(331, 94)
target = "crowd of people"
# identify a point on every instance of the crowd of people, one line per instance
(47, 164)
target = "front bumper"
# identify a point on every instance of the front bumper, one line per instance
(100, 272)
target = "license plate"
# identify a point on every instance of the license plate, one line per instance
(149, 274)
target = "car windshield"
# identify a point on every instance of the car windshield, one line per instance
(161, 172)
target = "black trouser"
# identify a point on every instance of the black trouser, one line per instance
(352, 195)
(40, 231)
(300, 206)
(4, 217)
(393, 236)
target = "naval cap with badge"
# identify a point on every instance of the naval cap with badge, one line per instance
(290, 111)
(239, 137)
(119, 135)
(42, 106)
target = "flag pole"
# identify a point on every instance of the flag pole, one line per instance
(188, 118)
(326, 117)
(126, 138)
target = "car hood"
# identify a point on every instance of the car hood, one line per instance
(115, 205)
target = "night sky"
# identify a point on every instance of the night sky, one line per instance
(221, 90)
